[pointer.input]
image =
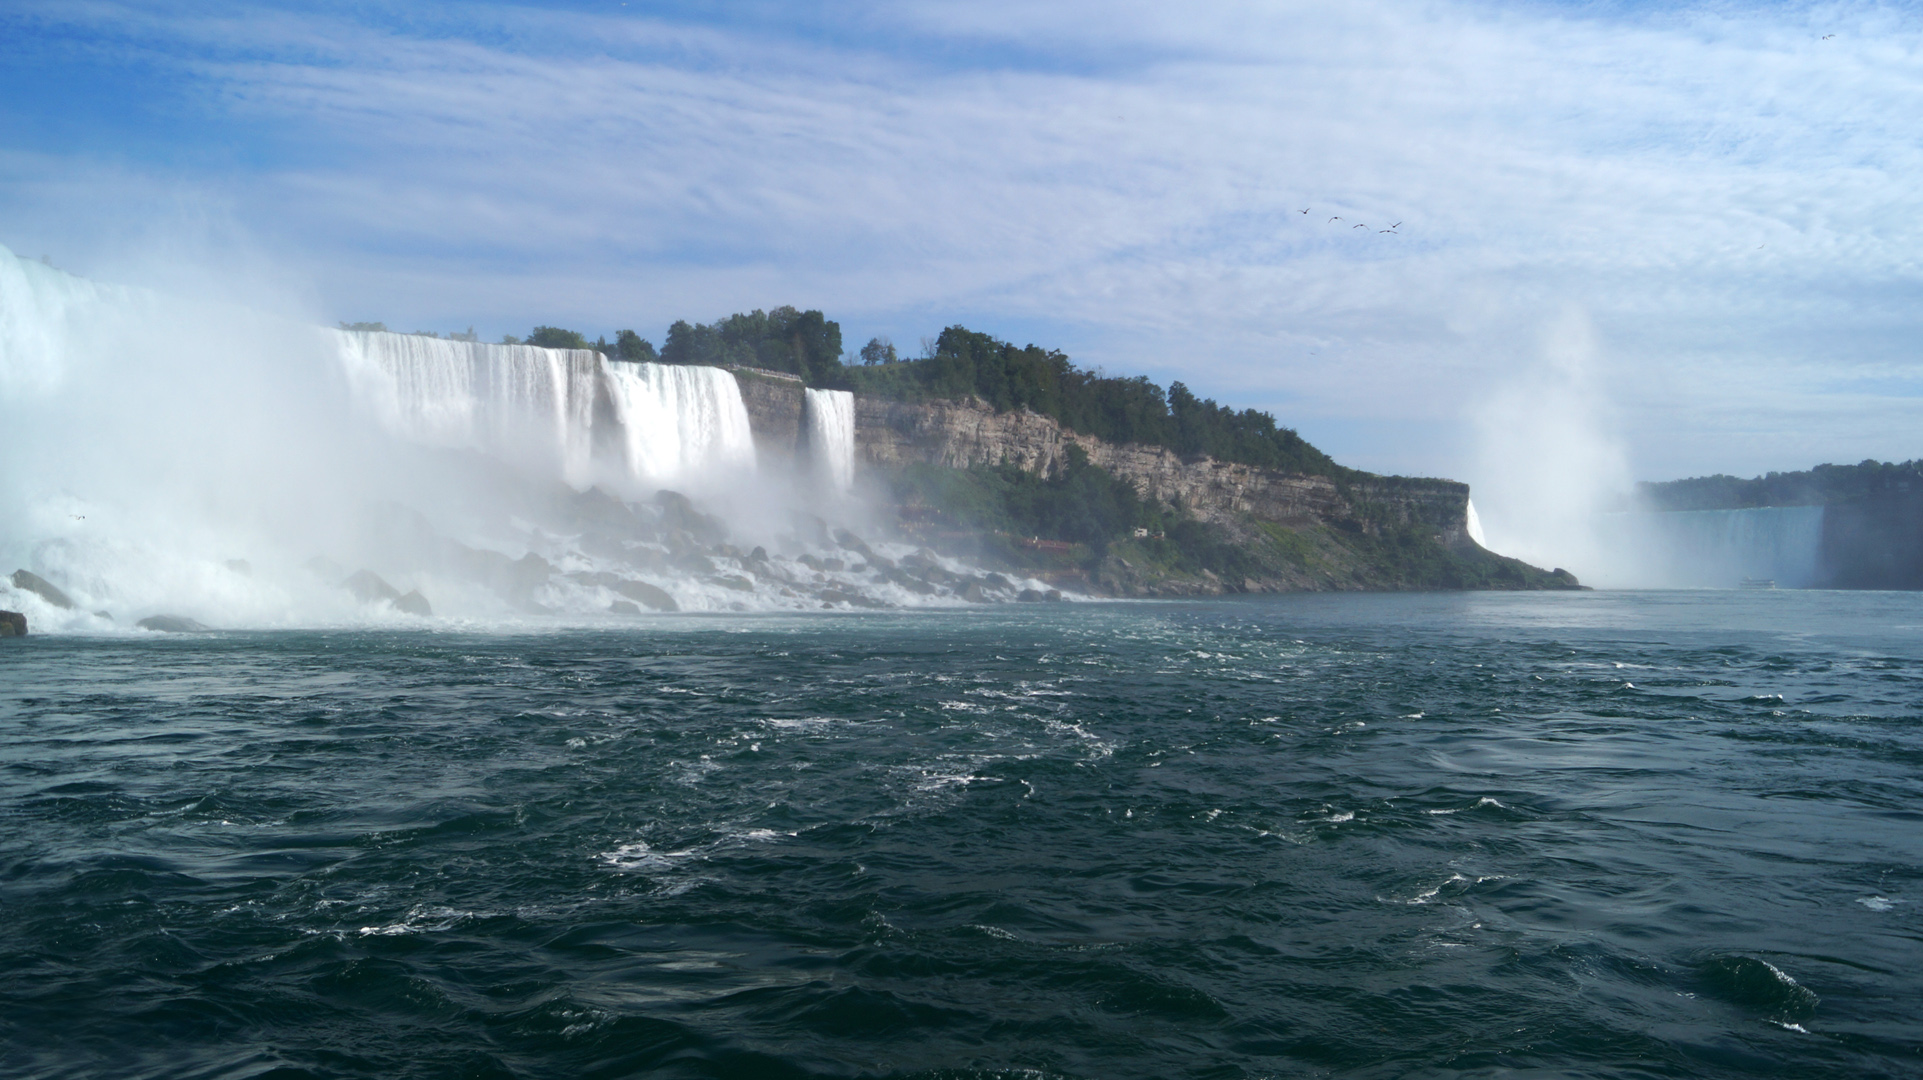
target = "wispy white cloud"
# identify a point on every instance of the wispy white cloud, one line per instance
(1728, 195)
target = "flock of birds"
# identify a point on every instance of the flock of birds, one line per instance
(1391, 230)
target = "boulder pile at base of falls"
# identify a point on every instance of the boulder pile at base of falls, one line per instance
(586, 552)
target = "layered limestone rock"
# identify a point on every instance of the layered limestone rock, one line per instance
(959, 434)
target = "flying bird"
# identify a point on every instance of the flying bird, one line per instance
(1335, 219)
(1305, 211)
(1358, 226)
(1397, 225)
(1826, 37)
(1388, 231)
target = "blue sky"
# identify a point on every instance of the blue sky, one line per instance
(1678, 240)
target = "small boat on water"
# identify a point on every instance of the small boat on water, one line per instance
(1756, 583)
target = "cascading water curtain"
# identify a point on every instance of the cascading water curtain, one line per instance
(515, 400)
(831, 436)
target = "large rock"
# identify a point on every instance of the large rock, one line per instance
(172, 624)
(41, 587)
(678, 512)
(413, 603)
(653, 597)
(368, 587)
(12, 624)
(515, 580)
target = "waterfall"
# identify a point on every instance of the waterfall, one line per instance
(831, 436)
(187, 456)
(1719, 548)
(1474, 526)
(660, 421)
(42, 312)
(675, 419)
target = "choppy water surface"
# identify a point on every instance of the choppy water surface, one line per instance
(1595, 835)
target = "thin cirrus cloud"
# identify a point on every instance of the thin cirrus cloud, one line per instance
(1725, 193)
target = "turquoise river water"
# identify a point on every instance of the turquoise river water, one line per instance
(1597, 835)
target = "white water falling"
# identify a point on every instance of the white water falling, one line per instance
(831, 436)
(1474, 526)
(506, 399)
(1714, 548)
(660, 422)
(677, 419)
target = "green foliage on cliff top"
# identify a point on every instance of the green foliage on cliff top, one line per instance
(1820, 486)
(632, 347)
(965, 363)
(804, 343)
(553, 337)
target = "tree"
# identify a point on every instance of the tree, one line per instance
(804, 343)
(878, 351)
(553, 337)
(374, 326)
(634, 348)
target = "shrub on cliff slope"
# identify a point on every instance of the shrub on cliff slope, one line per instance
(1080, 504)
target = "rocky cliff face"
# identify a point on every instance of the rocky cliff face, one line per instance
(1293, 531)
(775, 403)
(958, 434)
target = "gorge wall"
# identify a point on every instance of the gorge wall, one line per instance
(1302, 532)
(958, 434)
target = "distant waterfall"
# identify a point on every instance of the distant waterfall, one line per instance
(1719, 548)
(831, 436)
(656, 421)
(1473, 526)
